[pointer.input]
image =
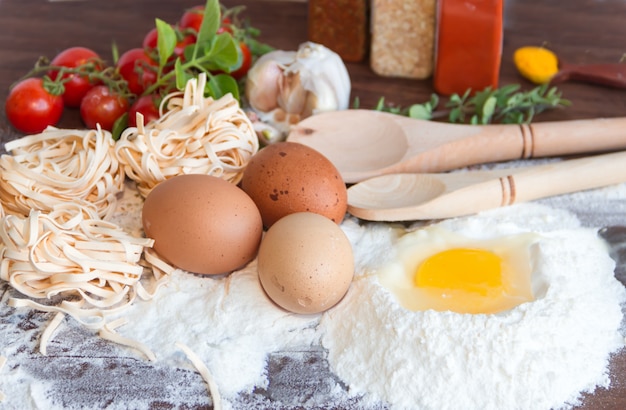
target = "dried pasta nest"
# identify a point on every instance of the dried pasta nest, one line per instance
(194, 135)
(69, 252)
(59, 166)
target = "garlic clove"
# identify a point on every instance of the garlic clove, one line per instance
(292, 96)
(263, 84)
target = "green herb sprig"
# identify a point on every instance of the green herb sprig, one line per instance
(506, 105)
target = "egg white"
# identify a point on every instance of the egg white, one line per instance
(515, 251)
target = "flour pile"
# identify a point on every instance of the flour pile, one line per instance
(539, 355)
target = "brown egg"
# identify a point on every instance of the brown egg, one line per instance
(289, 177)
(305, 263)
(202, 224)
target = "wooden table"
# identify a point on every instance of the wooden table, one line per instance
(580, 31)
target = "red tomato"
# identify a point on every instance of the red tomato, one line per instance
(151, 38)
(179, 50)
(31, 108)
(225, 27)
(138, 69)
(102, 106)
(192, 18)
(246, 62)
(77, 86)
(147, 106)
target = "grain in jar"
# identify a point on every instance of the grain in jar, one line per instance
(341, 25)
(403, 34)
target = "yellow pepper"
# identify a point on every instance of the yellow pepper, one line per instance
(537, 64)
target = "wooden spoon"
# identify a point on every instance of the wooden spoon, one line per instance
(365, 143)
(403, 197)
(610, 75)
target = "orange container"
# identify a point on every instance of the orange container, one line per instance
(468, 47)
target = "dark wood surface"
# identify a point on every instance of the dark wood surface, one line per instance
(580, 31)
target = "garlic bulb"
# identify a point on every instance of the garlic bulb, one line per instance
(284, 87)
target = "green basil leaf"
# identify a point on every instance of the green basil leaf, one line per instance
(420, 111)
(181, 75)
(380, 105)
(210, 24)
(119, 126)
(226, 52)
(222, 84)
(166, 41)
(221, 53)
(188, 52)
(115, 52)
(509, 89)
(456, 115)
(257, 48)
(489, 107)
(455, 99)
(434, 100)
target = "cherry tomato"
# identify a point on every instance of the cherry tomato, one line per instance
(138, 69)
(147, 106)
(225, 27)
(179, 50)
(246, 62)
(77, 86)
(151, 38)
(102, 106)
(192, 19)
(31, 108)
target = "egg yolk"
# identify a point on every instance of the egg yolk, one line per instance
(467, 280)
(470, 270)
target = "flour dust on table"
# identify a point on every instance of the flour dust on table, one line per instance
(541, 354)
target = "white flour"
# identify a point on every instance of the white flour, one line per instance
(229, 323)
(539, 355)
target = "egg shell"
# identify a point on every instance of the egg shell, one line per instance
(288, 177)
(305, 263)
(202, 224)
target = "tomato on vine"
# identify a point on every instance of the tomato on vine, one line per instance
(76, 85)
(31, 107)
(192, 20)
(246, 62)
(103, 106)
(207, 38)
(147, 105)
(138, 69)
(179, 50)
(225, 27)
(150, 39)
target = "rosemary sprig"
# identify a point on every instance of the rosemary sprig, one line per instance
(506, 105)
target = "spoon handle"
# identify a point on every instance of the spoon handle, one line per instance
(474, 144)
(564, 177)
(610, 75)
(546, 139)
